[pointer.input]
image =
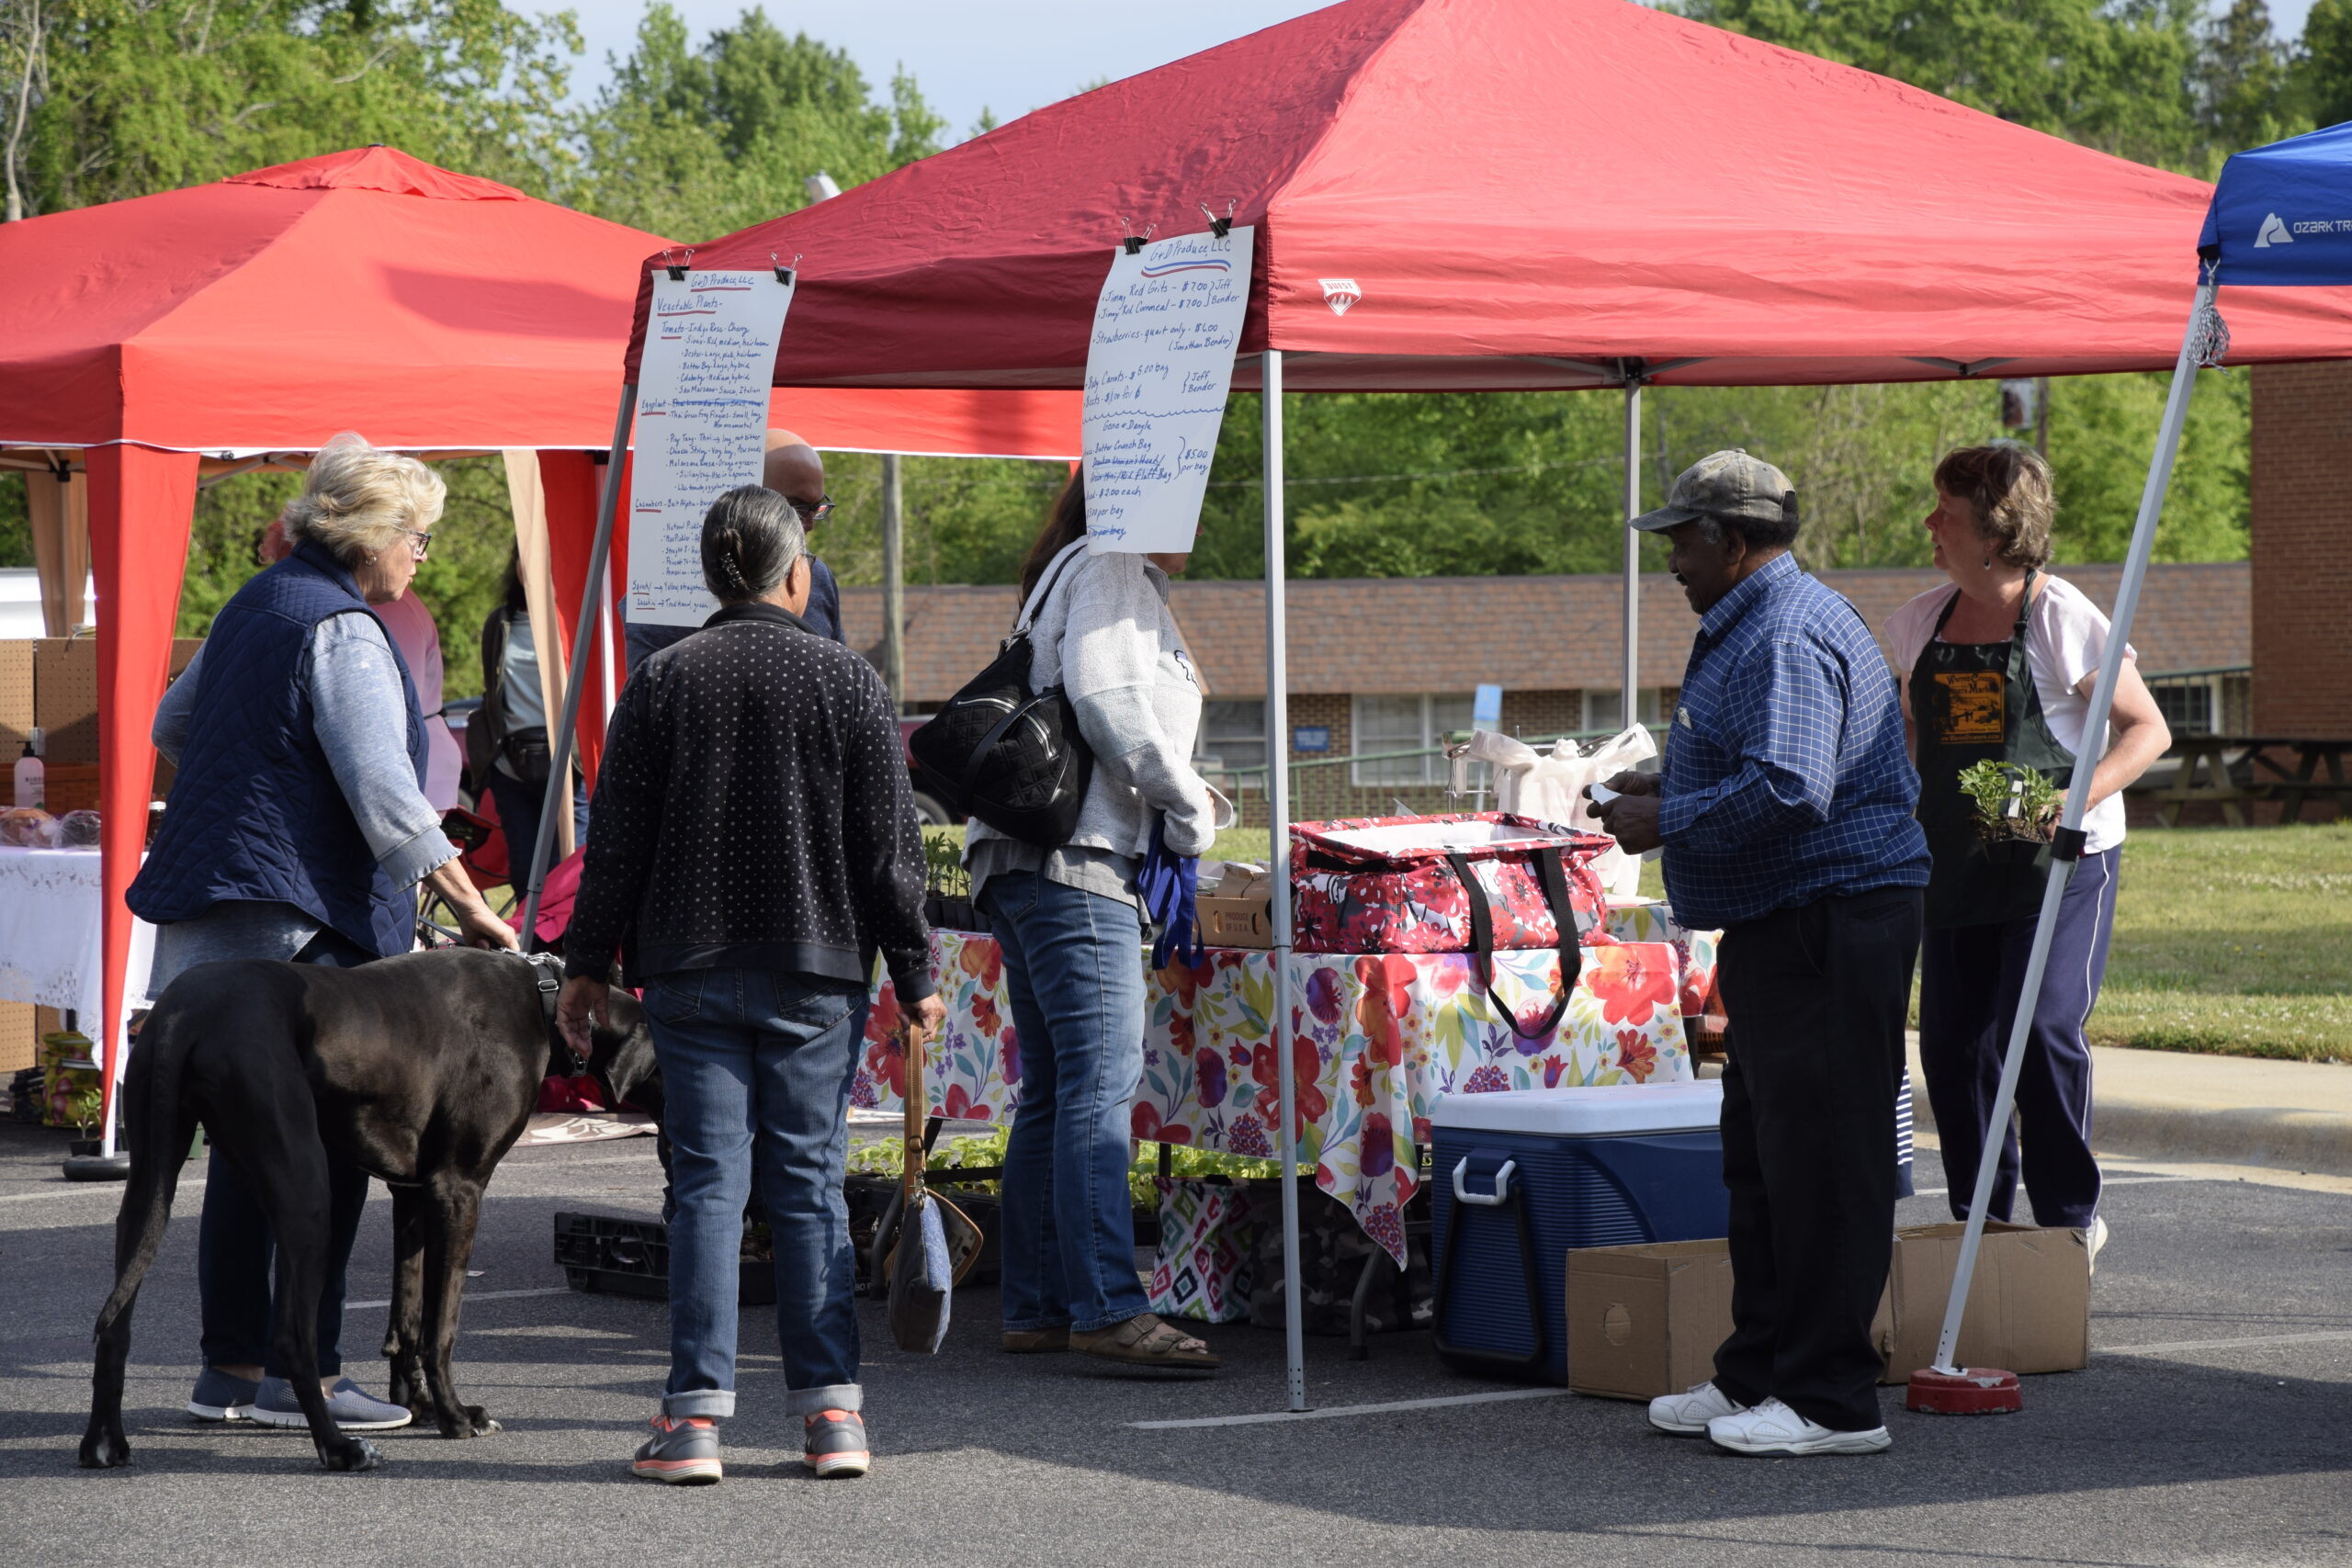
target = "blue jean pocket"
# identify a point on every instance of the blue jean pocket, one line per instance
(675, 998)
(820, 1007)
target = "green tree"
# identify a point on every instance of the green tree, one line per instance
(2116, 76)
(692, 142)
(2246, 93)
(2322, 71)
(133, 96)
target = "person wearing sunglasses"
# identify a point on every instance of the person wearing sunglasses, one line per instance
(795, 471)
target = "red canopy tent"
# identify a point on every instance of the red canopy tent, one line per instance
(1459, 195)
(430, 311)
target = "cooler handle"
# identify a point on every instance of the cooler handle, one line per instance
(1495, 1200)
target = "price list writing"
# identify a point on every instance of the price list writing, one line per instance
(702, 416)
(1157, 370)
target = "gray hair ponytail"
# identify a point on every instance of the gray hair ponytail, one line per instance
(749, 540)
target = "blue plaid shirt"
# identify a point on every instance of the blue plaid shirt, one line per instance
(1786, 779)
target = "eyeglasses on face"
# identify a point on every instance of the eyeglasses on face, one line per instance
(420, 540)
(816, 514)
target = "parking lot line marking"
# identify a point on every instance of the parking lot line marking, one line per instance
(473, 1297)
(2104, 1181)
(1351, 1409)
(2316, 1337)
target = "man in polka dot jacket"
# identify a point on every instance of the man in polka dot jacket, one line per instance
(753, 843)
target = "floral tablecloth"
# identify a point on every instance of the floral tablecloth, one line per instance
(1375, 1038)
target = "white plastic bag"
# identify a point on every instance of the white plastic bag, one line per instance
(1549, 786)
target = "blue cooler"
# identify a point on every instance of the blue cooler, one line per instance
(1523, 1176)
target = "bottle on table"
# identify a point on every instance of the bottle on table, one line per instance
(32, 774)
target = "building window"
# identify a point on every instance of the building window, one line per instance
(1605, 710)
(1406, 724)
(1232, 735)
(2191, 705)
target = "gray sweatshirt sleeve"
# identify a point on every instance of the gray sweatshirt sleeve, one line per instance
(169, 731)
(1110, 656)
(361, 722)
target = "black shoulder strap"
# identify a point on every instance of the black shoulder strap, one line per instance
(1550, 875)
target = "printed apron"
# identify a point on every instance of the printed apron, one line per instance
(1974, 701)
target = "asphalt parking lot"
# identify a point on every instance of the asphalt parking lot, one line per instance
(2213, 1427)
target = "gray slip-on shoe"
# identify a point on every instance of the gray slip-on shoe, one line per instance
(221, 1396)
(352, 1408)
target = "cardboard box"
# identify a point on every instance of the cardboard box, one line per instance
(15, 698)
(1645, 1320)
(1239, 911)
(2029, 1304)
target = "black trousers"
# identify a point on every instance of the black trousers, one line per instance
(1816, 996)
(1970, 979)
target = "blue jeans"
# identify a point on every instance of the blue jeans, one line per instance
(1073, 965)
(235, 1251)
(755, 1069)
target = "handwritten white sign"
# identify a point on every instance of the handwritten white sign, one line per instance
(1157, 374)
(702, 415)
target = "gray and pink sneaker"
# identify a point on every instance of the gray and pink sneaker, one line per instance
(683, 1451)
(833, 1443)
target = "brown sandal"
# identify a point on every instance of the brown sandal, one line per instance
(1035, 1341)
(1145, 1341)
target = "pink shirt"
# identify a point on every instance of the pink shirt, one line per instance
(419, 640)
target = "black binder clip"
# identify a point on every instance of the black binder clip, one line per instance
(677, 269)
(1134, 243)
(784, 274)
(1220, 227)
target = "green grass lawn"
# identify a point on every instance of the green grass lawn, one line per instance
(2233, 939)
(2229, 940)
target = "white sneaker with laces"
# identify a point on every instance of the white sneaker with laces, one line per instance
(2095, 1237)
(1773, 1428)
(1686, 1414)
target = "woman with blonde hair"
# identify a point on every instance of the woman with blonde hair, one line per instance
(2000, 668)
(298, 829)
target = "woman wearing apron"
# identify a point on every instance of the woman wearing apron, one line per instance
(2000, 667)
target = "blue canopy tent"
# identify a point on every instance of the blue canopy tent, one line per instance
(2281, 217)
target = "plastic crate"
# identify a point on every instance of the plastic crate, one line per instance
(605, 1254)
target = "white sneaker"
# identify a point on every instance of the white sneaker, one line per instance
(1686, 1414)
(2095, 1237)
(1773, 1428)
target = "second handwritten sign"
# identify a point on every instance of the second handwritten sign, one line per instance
(1157, 370)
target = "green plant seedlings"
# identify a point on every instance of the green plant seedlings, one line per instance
(2011, 802)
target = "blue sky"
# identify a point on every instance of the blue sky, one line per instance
(1009, 55)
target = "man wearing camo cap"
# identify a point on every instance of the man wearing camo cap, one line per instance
(1785, 810)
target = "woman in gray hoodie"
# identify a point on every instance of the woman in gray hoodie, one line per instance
(1070, 924)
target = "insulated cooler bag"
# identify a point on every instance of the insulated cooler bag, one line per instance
(1525, 1176)
(1458, 884)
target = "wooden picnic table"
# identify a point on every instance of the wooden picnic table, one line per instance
(2291, 785)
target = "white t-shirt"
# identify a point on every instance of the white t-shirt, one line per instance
(2065, 638)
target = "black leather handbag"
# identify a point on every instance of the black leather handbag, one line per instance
(1005, 753)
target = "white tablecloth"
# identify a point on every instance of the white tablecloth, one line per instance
(50, 939)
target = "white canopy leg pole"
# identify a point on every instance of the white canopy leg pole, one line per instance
(576, 681)
(1278, 860)
(1632, 712)
(2078, 792)
(608, 688)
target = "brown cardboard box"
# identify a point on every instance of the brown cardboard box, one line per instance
(2029, 1304)
(1645, 1320)
(1239, 912)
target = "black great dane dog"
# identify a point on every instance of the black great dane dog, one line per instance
(420, 1070)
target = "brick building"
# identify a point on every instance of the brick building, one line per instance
(2302, 550)
(1389, 664)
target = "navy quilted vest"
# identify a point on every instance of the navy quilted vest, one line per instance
(256, 812)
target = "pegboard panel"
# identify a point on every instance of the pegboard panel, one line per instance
(15, 698)
(65, 697)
